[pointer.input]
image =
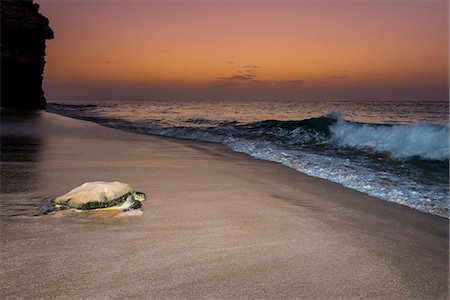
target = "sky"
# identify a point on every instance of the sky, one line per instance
(247, 50)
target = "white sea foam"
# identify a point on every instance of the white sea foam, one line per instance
(346, 172)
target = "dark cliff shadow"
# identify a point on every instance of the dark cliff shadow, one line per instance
(23, 34)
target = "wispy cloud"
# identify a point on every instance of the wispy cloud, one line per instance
(249, 73)
(287, 82)
(245, 74)
(337, 77)
(338, 74)
(236, 77)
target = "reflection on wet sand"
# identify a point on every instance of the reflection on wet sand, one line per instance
(20, 160)
(21, 148)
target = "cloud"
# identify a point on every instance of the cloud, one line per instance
(236, 77)
(246, 73)
(338, 74)
(296, 81)
(337, 77)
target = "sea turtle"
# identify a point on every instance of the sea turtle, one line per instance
(101, 194)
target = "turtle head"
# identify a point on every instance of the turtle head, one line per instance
(139, 196)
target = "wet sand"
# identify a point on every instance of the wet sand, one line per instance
(218, 224)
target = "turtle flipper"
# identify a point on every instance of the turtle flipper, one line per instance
(135, 205)
(133, 201)
(128, 203)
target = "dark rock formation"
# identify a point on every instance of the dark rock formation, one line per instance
(23, 34)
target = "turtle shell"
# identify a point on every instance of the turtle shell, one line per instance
(94, 195)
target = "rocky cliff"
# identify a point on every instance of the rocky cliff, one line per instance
(23, 34)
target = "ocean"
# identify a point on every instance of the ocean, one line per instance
(395, 151)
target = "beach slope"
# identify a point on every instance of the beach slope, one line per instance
(217, 224)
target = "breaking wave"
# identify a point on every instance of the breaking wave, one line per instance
(426, 141)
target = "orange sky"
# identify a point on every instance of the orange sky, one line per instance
(298, 50)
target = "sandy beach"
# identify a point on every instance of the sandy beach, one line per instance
(217, 224)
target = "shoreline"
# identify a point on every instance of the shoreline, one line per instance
(217, 224)
(226, 148)
(404, 190)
